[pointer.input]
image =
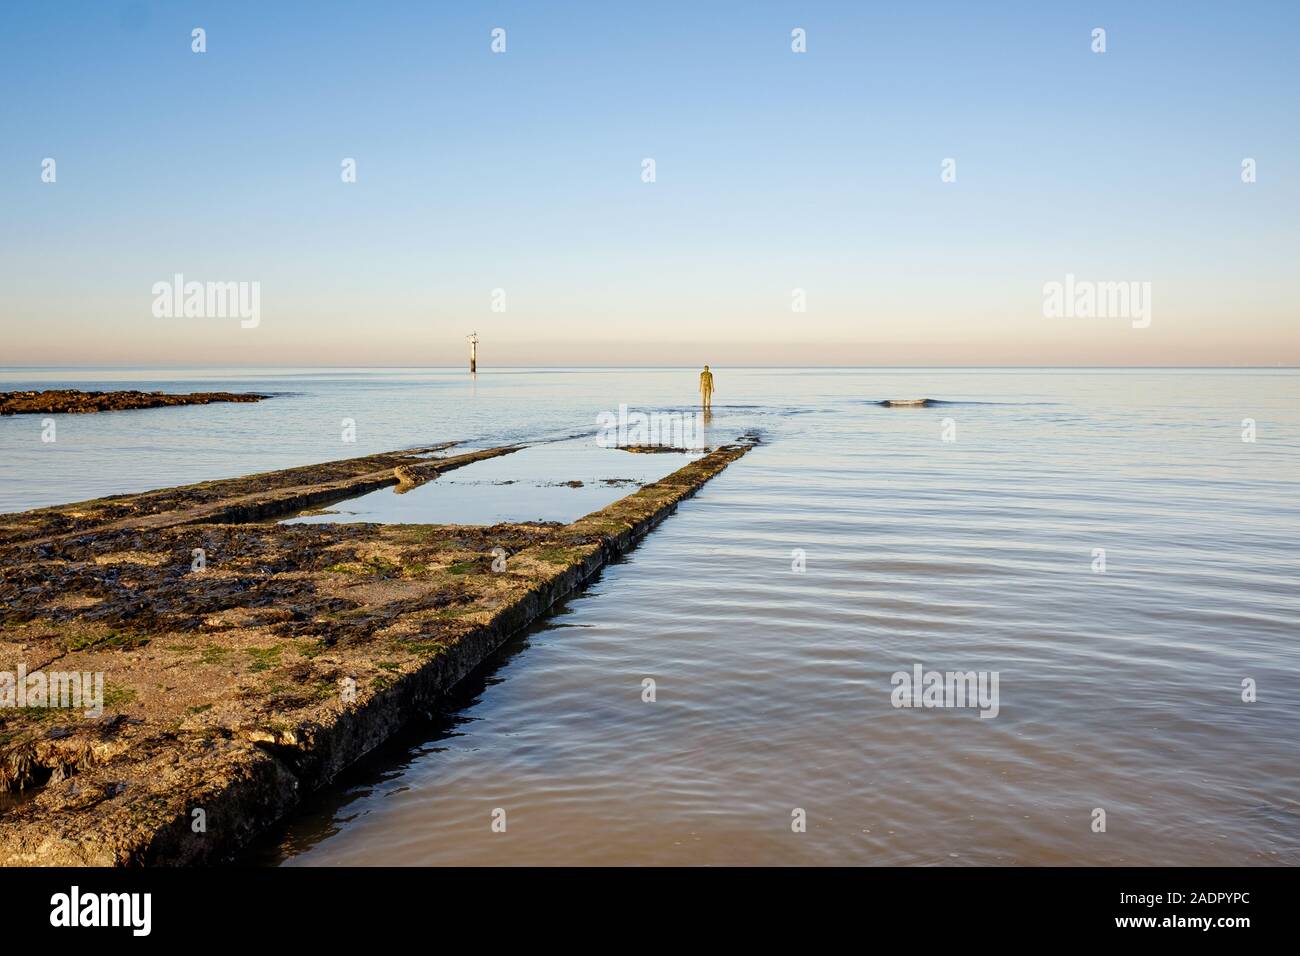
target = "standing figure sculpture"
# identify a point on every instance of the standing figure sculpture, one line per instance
(706, 388)
(473, 351)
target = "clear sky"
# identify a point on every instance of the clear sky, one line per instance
(775, 171)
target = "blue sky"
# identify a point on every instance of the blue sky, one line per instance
(775, 171)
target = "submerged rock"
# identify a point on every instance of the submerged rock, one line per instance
(656, 449)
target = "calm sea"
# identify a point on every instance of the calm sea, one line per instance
(1118, 690)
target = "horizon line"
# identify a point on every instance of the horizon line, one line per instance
(491, 367)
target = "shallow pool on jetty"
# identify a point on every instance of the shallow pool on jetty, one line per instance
(555, 481)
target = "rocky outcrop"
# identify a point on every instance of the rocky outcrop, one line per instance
(71, 401)
(408, 478)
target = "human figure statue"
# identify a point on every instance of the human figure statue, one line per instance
(706, 387)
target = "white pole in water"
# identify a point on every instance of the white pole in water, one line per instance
(473, 351)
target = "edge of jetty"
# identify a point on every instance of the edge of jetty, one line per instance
(234, 690)
(73, 401)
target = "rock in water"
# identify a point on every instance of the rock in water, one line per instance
(406, 480)
(75, 401)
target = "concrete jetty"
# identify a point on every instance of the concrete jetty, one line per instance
(246, 663)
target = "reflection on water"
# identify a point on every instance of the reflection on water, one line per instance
(1120, 690)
